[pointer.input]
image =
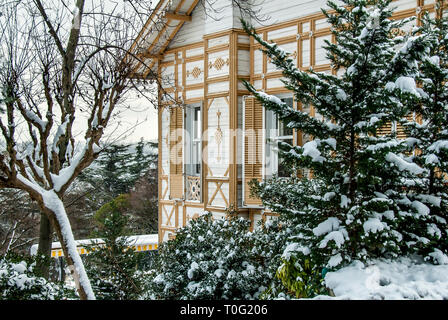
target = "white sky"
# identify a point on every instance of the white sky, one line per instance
(148, 129)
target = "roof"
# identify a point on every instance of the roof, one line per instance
(143, 242)
(162, 26)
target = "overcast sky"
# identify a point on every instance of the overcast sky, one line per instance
(148, 128)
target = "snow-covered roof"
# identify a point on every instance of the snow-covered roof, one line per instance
(144, 242)
(163, 24)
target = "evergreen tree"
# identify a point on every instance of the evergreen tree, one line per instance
(119, 167)
(426, 229)
(114, 169)
(112, 265)
(142, 160)
(350, 208)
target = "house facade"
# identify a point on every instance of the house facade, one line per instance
(213, 136)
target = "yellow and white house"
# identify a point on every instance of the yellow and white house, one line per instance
(213, 136)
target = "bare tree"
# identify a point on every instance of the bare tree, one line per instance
(19, 220)
(65, 73)
(248, 9)
(63, 77)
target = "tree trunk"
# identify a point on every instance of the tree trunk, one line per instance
(54, 208)
(44, 248)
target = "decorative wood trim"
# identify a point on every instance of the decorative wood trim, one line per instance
(164, 192)
(217, 179)
(217, 79)
(177, 16)
(265, 65)
(218, 189)
(184, 75)
(205, 107)
(194, 87)
(233, 115)
(277, 90)
(219, 63)
(193, 100)
(218, 34)
(190, 46)
(215, 209)
(188, 204)
(218, 48)
(215, 95)
(243, 93)
(243, 46)
(195, 58)
(312, 43)
(168, 202)
(172, 35)
(176, 75)
(169, 215)
(166, 64)
(176, 214)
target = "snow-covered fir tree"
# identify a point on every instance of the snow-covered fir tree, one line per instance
(344, 200)
(425, 227)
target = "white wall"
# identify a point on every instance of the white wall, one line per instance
(222, 17)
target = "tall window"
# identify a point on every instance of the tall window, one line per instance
(276, 132)
(193, 152)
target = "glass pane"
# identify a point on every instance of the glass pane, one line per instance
(284, 130)
(197, 160)
(197, 123)
(284, 170)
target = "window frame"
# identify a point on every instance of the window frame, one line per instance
(272, 137)
(193, 167)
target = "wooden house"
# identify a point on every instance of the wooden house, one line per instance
(213, 136)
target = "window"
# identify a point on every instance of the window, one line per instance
(193, 154)
(276, 132)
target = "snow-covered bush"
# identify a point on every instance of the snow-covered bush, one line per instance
(18, 281)
(217, 259)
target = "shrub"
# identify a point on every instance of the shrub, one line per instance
(19, 281)
(216, 259)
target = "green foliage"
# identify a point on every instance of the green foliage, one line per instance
(19, 280)
(216, 259)
(427, 233)
(126, 174)
(119, 167)
(357, 203)
(112, 266)
(112, 213)
(301, 278)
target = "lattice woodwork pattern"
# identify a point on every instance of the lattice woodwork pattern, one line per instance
(193, 188)
(196, 72)
(219, 63)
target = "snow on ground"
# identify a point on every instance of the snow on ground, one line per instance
(404, 278)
